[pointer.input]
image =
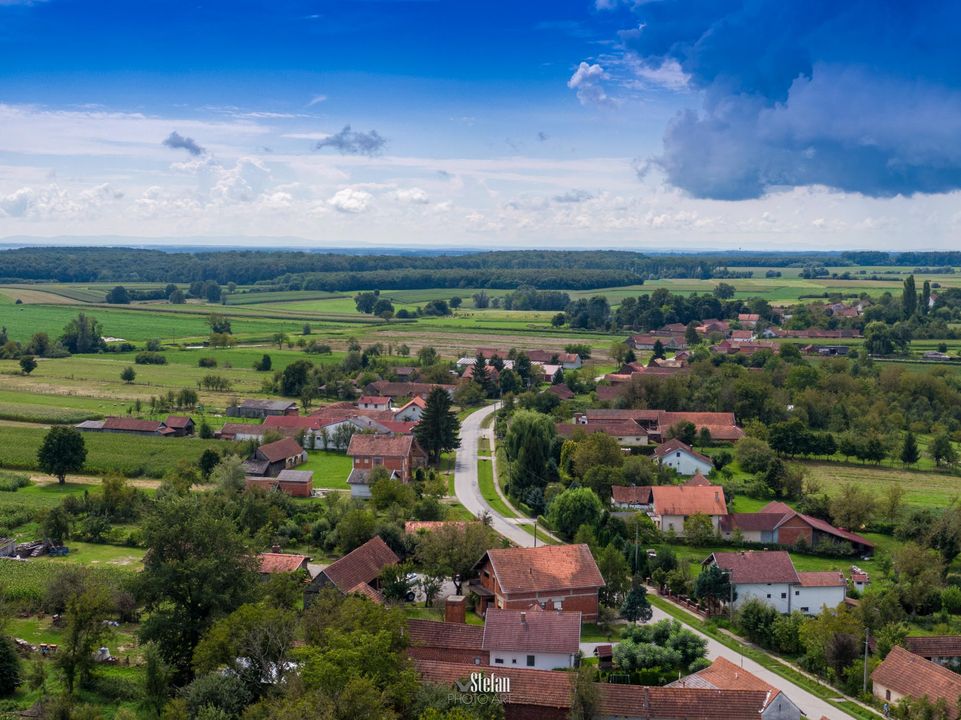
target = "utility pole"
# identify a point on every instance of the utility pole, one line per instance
(867, 637)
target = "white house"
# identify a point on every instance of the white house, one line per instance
(770, 576)
(412, 411)
(375, 402)
(682, 458)
(671, 505)
(534, 638)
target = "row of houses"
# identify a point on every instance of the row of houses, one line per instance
(172, 426)
(636, 427)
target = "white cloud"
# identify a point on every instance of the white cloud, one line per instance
(316, 100)
(586, 82)
(350, 200)
(414, 195)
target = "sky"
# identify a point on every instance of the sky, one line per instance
(642, 124)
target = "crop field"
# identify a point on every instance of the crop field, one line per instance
(26, 581)
(935, 490)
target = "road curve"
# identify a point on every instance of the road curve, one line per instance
(466, 485)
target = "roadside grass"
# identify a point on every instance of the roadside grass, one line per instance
(131, 456)
(825, 692)
(484, 446)
(485, 479)
(330, 469)
(539, 534)
(457, 512)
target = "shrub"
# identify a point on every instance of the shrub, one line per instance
(207, 362)
(11, 482)
(951, 600)
(150, 358)
(9, 667)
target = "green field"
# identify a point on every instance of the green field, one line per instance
(330, 469)
(129, 455)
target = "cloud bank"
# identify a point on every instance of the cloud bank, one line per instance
(862, 96)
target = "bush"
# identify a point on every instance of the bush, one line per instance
(951, 600)
(207, 362)
(11, 482)
(150, 358)
(9, 667)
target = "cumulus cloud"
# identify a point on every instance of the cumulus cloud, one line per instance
(50, 202)
(574, 196)
(414, 196)
(863, 96)
(176, 141)
(353, 142)
(586, 83)
(351, 200)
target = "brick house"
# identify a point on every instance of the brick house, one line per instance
(940, 649)
(556, 577)
(268, 460)
(447, 641)
(398, 454)
(356, 572)
(296, 483)
(181, 425)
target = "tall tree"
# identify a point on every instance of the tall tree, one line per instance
(636, 605)
(453, 550)
(196, 569)
(62, 451)
(942, 450)
(909, 449)
(438, 429)
(87, 606)
(925, 299)
(528, 444)
(909, 298)
(83, 334)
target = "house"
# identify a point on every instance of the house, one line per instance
(722, 674)
(448, 641)
(240, 432)
(532, 638)
(557, 577)
(396, 390)
(358, 568)
(568, 361)
(941, 649)
(627, 434)
(551, 373)
(375, 402)
(753, 527)
(633, 497)
(268, 460)
(747, 347)
(859, 578)
(398, 454)
(546, 695)
(274, 563)
(296, 483)
(697, 480)
(649, 340)
(935, 355)
(683, 459)
(903, 674)
(770, 576)
(405, 373)
(562, 391)
(671, 505)
(262, 408)
(748, 320)
(412, 411)
(330, 430)
(795, 527)
(742, 336)
(657, 423)
(181, 425)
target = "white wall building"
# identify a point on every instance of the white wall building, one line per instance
(536, 639)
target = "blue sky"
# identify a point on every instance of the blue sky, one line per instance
(664, 124)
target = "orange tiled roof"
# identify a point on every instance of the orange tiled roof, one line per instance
(546, 568)
(688, 500)
(912, 675)
(361, 565)
(271, 563)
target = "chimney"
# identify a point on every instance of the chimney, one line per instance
(455, 609)
(275, 548)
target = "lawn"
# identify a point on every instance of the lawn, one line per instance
(102, 555)
(129, 455)
(330, 469)
(485, 480)
(805, 563)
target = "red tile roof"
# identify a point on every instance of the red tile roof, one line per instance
(822, 579)
(546, 568)
(722, 674)
(177, 421)
(361, 565)
(530, 632)
(675, 445)
(947, 646)
(445, 635)
(362, 445)
(562, 391)
(751, 567)
(296, 422)
(757, 522)
(280, 450)
(912, 675)
(368, 592)
(232, 429)
(128, 424)
(788, 512)
(697, 480)
(550, 689)
(631, 495)
(271, 563)
(373, 400)
(688, 500)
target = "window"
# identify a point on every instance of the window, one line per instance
(797, 592)
(769, 596)
(530, 661)
(513, 661)
(378, 461)
(783, 595)
(887, 694)
(804, 610)
(498, 661)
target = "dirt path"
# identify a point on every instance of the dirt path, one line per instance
(143, 483)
